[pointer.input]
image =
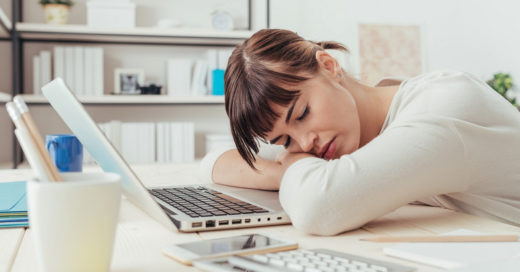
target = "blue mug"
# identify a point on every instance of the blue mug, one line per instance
(66, 152)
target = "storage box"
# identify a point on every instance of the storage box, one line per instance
(111, 14)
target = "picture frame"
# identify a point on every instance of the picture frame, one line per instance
(127, 81)
(403, 47)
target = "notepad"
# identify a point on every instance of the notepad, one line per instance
(13, 204)
(454, 255)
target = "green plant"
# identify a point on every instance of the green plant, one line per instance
(59, 2)
(501, 83)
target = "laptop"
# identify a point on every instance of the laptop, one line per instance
(187, 208)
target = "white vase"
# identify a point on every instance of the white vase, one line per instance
(56, 14)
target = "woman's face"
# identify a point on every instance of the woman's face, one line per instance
(323, 120)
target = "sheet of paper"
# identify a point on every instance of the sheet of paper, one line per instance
(454, 255)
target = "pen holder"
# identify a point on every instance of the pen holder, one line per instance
(73, 222)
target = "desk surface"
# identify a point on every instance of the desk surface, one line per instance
(140, 239)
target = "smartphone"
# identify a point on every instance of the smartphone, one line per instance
(247, 244)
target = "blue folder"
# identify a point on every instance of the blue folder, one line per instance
(12, 198)
(13, 205)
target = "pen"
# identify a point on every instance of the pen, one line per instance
(36, 136)
(443, 238)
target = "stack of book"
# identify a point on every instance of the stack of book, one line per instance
(150, 142)
(175, 142)
(13, 205)
(187, 77)
(80, 67)
(217, 60)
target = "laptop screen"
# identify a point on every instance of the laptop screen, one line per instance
(100, 148)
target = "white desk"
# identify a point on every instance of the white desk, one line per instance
(140, 239)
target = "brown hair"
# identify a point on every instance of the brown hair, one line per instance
(255, 75)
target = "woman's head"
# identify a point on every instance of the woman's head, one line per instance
(277, 74)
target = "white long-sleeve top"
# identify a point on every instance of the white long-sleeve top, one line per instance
(448, 140)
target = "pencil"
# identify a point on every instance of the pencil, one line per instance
(443, 238)
(36, 136)
(29, 148)
(34, 156)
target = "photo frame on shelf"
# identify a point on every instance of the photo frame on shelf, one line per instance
(127, 81)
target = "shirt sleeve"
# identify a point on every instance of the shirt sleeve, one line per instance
(266, 151)
(408, 161)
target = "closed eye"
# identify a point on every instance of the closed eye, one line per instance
(305, 112)
(301, 117)
(287, 142)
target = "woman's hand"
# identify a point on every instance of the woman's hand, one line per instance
(286, 159)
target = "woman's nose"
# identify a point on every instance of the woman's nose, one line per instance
(308, 141)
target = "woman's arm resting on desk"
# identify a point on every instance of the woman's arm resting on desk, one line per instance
(230, 169)
(225, 166)
(408, 162)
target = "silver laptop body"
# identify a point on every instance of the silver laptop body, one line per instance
(170, 215)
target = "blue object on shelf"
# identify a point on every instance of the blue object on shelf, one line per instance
(218, 81)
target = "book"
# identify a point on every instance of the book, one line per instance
(128, 142)
(199, 78)
(36, 75)
(45, 67)
(176, 146)
(98, 71)
(189, 142)
(79, 74)
(59, 62)
(69, 67)
(179, 77)
(455, 254)
(13, 204)
(88, 70)
(161, 142)
(212, 61)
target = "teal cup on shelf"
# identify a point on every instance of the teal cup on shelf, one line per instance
(218, 81)
(66, 152)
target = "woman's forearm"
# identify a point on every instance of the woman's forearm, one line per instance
(230, 169)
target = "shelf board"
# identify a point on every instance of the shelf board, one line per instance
(4, 98)
(134, 99)
(71, 32)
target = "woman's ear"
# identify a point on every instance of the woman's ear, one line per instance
(328, 63)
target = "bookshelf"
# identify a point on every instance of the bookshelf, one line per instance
(135, 99)
(206, 111)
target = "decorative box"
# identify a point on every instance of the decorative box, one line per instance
(120, 13)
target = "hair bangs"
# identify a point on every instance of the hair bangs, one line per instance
(251, 114)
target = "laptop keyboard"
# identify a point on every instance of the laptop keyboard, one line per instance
(200, 201)
(317, 260)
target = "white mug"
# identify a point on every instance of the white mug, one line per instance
(73, 222)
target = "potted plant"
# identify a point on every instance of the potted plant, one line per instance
(502, 84)
(56, 11)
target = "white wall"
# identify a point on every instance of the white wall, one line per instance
(477, 36)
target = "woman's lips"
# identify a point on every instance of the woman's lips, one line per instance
(330, 150)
